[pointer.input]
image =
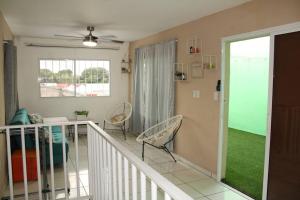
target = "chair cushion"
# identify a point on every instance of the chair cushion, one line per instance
(118, 118)
(21, 111)
(35, 118)
(20, 118)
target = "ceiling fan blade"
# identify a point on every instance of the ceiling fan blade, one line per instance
(111, 41)
(108, 36)
(69, 36)
(117, 41)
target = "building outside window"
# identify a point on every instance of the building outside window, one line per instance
(74, 78)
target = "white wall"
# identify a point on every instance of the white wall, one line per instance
(28, 85)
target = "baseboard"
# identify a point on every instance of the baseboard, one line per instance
(208, 173)
(194, 166)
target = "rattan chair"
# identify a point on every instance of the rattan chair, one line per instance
(161, 134)
(118, 116)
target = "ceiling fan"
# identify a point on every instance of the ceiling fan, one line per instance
(90, 40)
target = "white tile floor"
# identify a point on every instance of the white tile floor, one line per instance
(193, 182)
(196, 184)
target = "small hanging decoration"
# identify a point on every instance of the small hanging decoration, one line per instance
(209, 61)
(194, 45)
(125, 66)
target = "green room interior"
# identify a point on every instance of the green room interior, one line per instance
(247, 115)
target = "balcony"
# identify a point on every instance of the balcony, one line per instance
(105, 166)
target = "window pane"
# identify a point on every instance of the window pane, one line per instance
(57, 78)
(92, 77)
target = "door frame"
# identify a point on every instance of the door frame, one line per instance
(222, 152)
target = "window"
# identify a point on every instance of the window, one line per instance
(92, 78)
(67, 78)
(57, 78)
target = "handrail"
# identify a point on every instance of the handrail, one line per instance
(160, 180)
(146, 171)
(68, 123)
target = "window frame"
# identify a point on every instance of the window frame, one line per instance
(74, 77)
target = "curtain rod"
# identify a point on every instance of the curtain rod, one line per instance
(69, 47)
(168, 40)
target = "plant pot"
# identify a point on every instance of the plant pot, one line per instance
(81, 117)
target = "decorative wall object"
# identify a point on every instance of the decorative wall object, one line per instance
(181, 72)
(197, 70)
(198, 63)
(125, 66)
(194, 46)
(209, 61)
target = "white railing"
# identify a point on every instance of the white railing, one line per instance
(111, 167)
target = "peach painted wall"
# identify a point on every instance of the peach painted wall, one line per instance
(5, 34)
(198, 137)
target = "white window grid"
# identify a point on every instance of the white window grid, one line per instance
(76, 68)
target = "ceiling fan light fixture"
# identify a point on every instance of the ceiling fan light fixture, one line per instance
(89, 42)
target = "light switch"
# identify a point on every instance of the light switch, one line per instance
(216, 96)
(196, 94)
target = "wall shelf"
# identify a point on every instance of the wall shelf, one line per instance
(181, 72)
(125, 66)
(209, 62)
(194, 46)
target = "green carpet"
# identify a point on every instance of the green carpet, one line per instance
(245, 162)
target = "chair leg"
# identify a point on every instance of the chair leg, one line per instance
(104, 125)
(124, 130)
(143, 151)
(167, 150)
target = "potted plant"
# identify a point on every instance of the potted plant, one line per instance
(81, 115)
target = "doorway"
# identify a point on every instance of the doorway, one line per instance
(245, 124)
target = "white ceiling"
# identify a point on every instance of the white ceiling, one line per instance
(127, 19)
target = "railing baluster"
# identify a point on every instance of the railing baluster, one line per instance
(11, 186)
(38, 164)
(134, 182)
(24, 163)
(167, 196)
(65, 161)
(101, 168)
(95, 166)
(114, 171)
(51, 163)
(105, 175)
(120, 178)
(126, 179)
(98, 146)
(110, 192)
(143, 186)
(107, 161)
(77, 160)
(91, 161)
(153, 191)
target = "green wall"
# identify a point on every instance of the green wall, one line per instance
(248, 90)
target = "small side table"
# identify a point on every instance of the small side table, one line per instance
(82, 129)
